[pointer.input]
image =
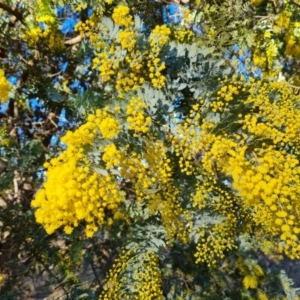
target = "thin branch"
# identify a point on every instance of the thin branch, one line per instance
(95, 273)
(262, 18)
(13, 12)
(30, 63)
(293, 86)
(74, 40)
(53, 75)
(295, 3)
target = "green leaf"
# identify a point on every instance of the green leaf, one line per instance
(100, 171)
(151, 191)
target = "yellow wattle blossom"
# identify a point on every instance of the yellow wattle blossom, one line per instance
(111, 156)
(137, 119)
(109, 127)
(125, 62)
(250, 281)
(121, 16)
(262, 296)
(183, 35)
(265, 177)
(127, 39)
(145, 278)
(73, 191)
(256, 2)
(33, 35)
(50, 36)
(4, 87)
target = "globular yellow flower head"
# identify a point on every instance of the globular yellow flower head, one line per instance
(121, 16)
(256, 2)
(4, 87)
(74, 192)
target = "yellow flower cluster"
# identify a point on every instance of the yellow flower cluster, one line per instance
(145, 280)
(4, 87)
(151, 176)
(55, 40)
(106, 68)
(111, 156)
(259, 59)
(225, 94)
(47, 19)
(188, 134)
(127, 39)
(157, 79)
(127, 82)
(44, 13)
(291, 46)
(74, 191)
(67, 264)
(101, 122)
(250, 281)
(83, 195)
(136, 116)
(283, 19)
(121, 16)
(266, 56)
(256, 2)
(81, 6)
(109, 127)
(125, 61)
(159, 37)
(183, 35)
(110, 60)
(251, 272)
(271, 52)
(91, 26)
(278, 34)
(33, 35)
(88, 25)
(50, 35)
(213, 242)
(262, 296)
(258, 156)
(4, 135)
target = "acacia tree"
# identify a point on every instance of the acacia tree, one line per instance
(35, 96)
(190, 170)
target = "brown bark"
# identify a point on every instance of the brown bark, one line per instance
(12, 11)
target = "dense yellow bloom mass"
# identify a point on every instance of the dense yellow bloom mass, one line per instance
(145, 279)
(74, 191)
(255, 156)
(207, 176)
(136, 116)
(121, 16)
(279, 33)
(250, 281)
(125, 62)
(4, 87)
(50, 36)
